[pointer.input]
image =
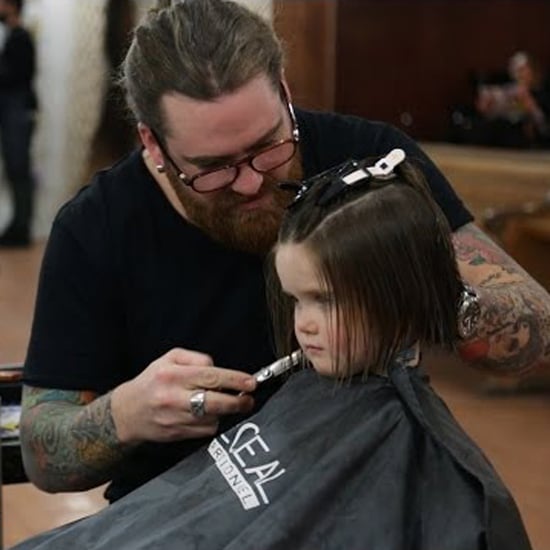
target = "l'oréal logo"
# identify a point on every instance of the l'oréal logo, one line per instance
(245, 464)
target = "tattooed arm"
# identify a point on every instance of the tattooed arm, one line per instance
(513, 336)
(75, 440)
(68, 439)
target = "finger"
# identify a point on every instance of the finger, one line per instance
(216, 378)
(187, 357)
(218, 404)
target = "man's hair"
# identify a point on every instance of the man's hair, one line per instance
(199, 48)
(387, 256)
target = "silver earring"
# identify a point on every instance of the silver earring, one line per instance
(160, 168)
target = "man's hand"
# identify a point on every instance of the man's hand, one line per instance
(155, 406)
(75, 440)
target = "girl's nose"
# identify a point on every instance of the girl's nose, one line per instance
(304, 323)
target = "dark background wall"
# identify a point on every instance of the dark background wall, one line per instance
(404, 61)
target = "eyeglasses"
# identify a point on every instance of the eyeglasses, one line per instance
(262, 161)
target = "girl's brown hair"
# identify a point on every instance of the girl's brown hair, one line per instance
(385, 250)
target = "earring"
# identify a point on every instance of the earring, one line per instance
(160, 168)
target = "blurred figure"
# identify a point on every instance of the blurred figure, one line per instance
(17, 108)
(532, 94)
(517, 112)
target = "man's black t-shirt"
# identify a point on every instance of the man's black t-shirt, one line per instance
(125, 279)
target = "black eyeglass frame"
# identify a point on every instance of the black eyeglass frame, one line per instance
(190, 181)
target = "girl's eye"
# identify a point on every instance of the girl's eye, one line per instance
(324, 300)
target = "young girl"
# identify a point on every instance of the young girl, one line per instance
(370, 268)
(366, 278)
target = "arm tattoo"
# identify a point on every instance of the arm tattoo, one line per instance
(514, 334)
(68, 439)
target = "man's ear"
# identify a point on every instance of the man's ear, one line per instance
(150, 143)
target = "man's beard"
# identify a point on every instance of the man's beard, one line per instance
(224, 219)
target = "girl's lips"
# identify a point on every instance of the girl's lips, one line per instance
(313, 349)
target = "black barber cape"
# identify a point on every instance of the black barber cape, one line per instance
(366, 465)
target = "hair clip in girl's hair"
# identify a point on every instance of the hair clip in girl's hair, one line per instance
(385, 167)
(382, 169)
(297, 187)
(339, 179)
(301, 188)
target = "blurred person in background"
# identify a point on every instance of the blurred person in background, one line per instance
(17, 109)
(516, 112)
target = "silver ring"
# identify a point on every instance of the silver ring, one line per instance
(197, 401)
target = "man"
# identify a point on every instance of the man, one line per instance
(151, 309)
(17, 106)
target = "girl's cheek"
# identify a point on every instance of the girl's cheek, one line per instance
(338, 342)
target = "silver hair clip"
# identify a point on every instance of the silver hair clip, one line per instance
(382, 169)
(339, 179)
(385, 167)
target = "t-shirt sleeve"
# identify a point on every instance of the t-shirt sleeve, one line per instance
(452, 206)
(76, 331)
(330, 139)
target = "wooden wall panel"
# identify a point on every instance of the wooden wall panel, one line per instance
(308, 31)
(416, 57)
(386, 58)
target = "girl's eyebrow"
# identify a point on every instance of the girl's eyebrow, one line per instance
(315, 294)
(228, 159)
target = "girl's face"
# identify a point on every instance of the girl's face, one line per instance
(315, 314)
